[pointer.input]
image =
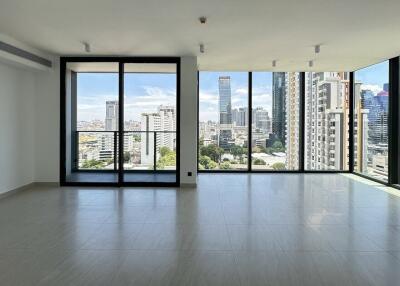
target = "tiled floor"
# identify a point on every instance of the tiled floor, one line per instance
(241, 229)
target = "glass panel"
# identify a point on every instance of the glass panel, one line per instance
(326, 121)
(371, 102)
(97, 110)
(92, 122)
(150, 122)
(223, 120)
(97, 150)
(275, 121)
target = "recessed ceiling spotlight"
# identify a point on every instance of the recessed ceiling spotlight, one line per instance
(317, 49)
(311, 63)
(202, 48)
(86, 46)
(274, 63)
(203, 20)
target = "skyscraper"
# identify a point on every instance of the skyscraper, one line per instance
(164, 121)
(112, 115)
(377, 116)
(327, 97)
(225, 112)
(278, 105)
(292, 102)
(360, 132)
(239, 116)
(261, 120)
(107, 139)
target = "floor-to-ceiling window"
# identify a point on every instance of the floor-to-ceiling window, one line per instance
(226, 137)
(119, 121)
(275, 120)
(326, 128)
(223, 120)
(371, 106)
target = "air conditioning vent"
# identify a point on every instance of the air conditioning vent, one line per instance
(5, 47)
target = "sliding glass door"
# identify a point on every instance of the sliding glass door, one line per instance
(150, 121)
(120, 121)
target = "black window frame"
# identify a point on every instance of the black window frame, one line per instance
(63, 112)
(393, 129)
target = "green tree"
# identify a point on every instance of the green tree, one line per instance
(277, 145)
(225, 165)
(259, 162)
(237, 151)
(212, 151)
(169, 159)
(207, 163)
(164, 151)
(201, 141)
(92, 164)
(278, 166)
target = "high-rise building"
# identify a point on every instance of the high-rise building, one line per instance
(278, 105)
(292, 101)
(261, 120)
(360, 132)
(225, 105)
(327, 99)
(225, 112)
(162, 121)
(106, 140)
(377, 105)
(112, 115)
(239, 116)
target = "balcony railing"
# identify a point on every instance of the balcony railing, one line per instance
(143, 150)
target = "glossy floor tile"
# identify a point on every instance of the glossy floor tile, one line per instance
(233, 229)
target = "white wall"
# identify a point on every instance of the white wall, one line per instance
(47, 125)
(17, 136)
(188, 120)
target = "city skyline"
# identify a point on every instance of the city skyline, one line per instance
(143, 93)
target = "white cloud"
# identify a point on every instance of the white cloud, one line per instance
(372, 87)
(94, 107)
(242, 91)
(208, 96)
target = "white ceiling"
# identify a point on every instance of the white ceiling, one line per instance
(239, 35)
(128, 67)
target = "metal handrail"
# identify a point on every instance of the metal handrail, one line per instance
(115, 144)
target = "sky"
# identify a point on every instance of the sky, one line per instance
(208, 92)
(373, 77)
(143, 93)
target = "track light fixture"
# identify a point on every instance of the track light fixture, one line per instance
(87, 47)
(311, 63)
(317, 49)
(203, 20)
(274, 63)
(202, 48)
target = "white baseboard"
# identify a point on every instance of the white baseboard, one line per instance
(16, 190)
(188, 185)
